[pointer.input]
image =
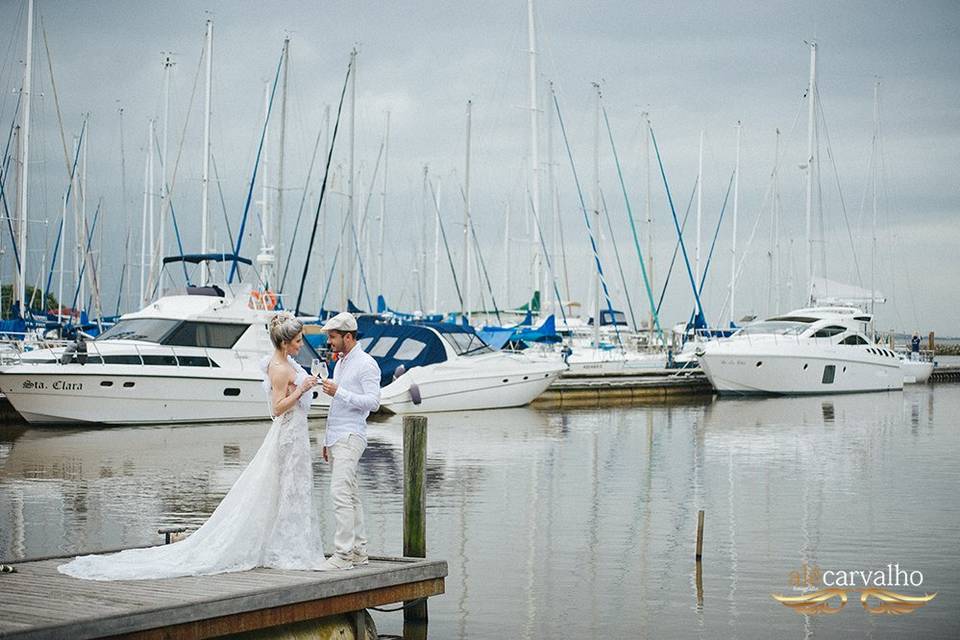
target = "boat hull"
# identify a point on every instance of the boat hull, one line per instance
(916, 371)
(798, 373)
(54, 394)
(475, 384)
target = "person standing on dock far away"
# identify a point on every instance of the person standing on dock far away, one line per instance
(915, 347)
(354, 392)
(267, 518)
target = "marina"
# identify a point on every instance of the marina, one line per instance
(672, 347)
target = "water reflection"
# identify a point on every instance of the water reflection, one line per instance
(574, 523)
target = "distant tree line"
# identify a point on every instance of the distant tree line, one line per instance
(33, 300)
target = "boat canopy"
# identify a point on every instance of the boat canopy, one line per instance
(392, 345)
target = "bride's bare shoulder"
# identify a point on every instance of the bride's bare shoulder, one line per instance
(281, 374)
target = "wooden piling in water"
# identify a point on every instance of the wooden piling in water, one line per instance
(699, 535)
(414, 501)
(930, 342)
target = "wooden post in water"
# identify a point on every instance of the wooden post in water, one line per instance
(699, 535)
(930, 342)
(414, 501)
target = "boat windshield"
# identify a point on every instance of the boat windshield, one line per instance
(144, 329)
(466, 343)
(774, 327)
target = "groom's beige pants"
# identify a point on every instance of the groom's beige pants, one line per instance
(348, 511)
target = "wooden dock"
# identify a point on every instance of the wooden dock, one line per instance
(593, 390)
(39, 603)
(949, 373)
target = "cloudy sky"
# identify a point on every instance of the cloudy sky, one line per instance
(692, 66)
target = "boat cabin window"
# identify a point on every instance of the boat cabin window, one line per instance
(409, 349)
(215, 335)
(365, 343)
(466, 343)
(829, 331)
(853, 339)
(829, 373)
(145, 329)
(382, 346)
(775, 327)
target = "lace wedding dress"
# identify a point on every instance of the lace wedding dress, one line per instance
(265, 520)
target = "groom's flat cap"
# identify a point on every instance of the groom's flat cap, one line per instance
(343, 321)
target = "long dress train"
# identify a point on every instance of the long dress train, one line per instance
(265, 520)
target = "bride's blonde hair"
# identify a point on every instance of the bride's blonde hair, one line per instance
(284, 327)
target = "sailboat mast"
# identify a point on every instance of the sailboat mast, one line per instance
(534, 143)
(436, 248)
(143, 224)
(875, 178)
(278, 251)
(164, 194)
(204, 198)
(733, 236)
(151, 189)
(265, 259)
(467, 246)
(383, 207)
(555, 207)
(24, 165)
(348, 245)
(649, 213)
(596, 213)
(811, 111)
(699, 208)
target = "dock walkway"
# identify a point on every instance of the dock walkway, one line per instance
(39, 603)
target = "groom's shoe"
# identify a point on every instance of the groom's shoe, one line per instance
(336, 563)
(358, 557)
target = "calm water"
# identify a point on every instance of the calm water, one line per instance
(578, 523)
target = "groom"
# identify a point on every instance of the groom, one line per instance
(355, 392)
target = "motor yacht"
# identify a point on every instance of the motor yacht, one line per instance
(815, 350)
(181, 359)
(428, 367)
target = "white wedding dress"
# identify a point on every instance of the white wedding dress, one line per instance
(267, 518)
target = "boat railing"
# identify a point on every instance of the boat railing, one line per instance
(95, 355)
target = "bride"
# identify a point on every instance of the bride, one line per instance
(267, 518)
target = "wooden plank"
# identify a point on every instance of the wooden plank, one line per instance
(38, 602)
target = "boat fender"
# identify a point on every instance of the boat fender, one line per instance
(415, 393)
(81, 351)
(399, 371)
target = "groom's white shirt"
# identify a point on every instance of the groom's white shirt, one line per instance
(358, 393)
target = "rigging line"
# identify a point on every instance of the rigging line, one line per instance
(303, 201)
(546, 255)
(676, 245)
(66, 201)
(356, 246)
(633, 228)
(616, 253)
(173, 214)
(56, 99)
(323, 191)
(253, 179)
(4, 172)
(586, 219)
(716, 233)
(843, 204)
(446, 246)
(481, 261)
(86, 254)
(676, 224)
(223, 202)
(123, 271)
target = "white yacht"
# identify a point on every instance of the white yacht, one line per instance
(428, 367)
(183, 358)
(808, 351)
